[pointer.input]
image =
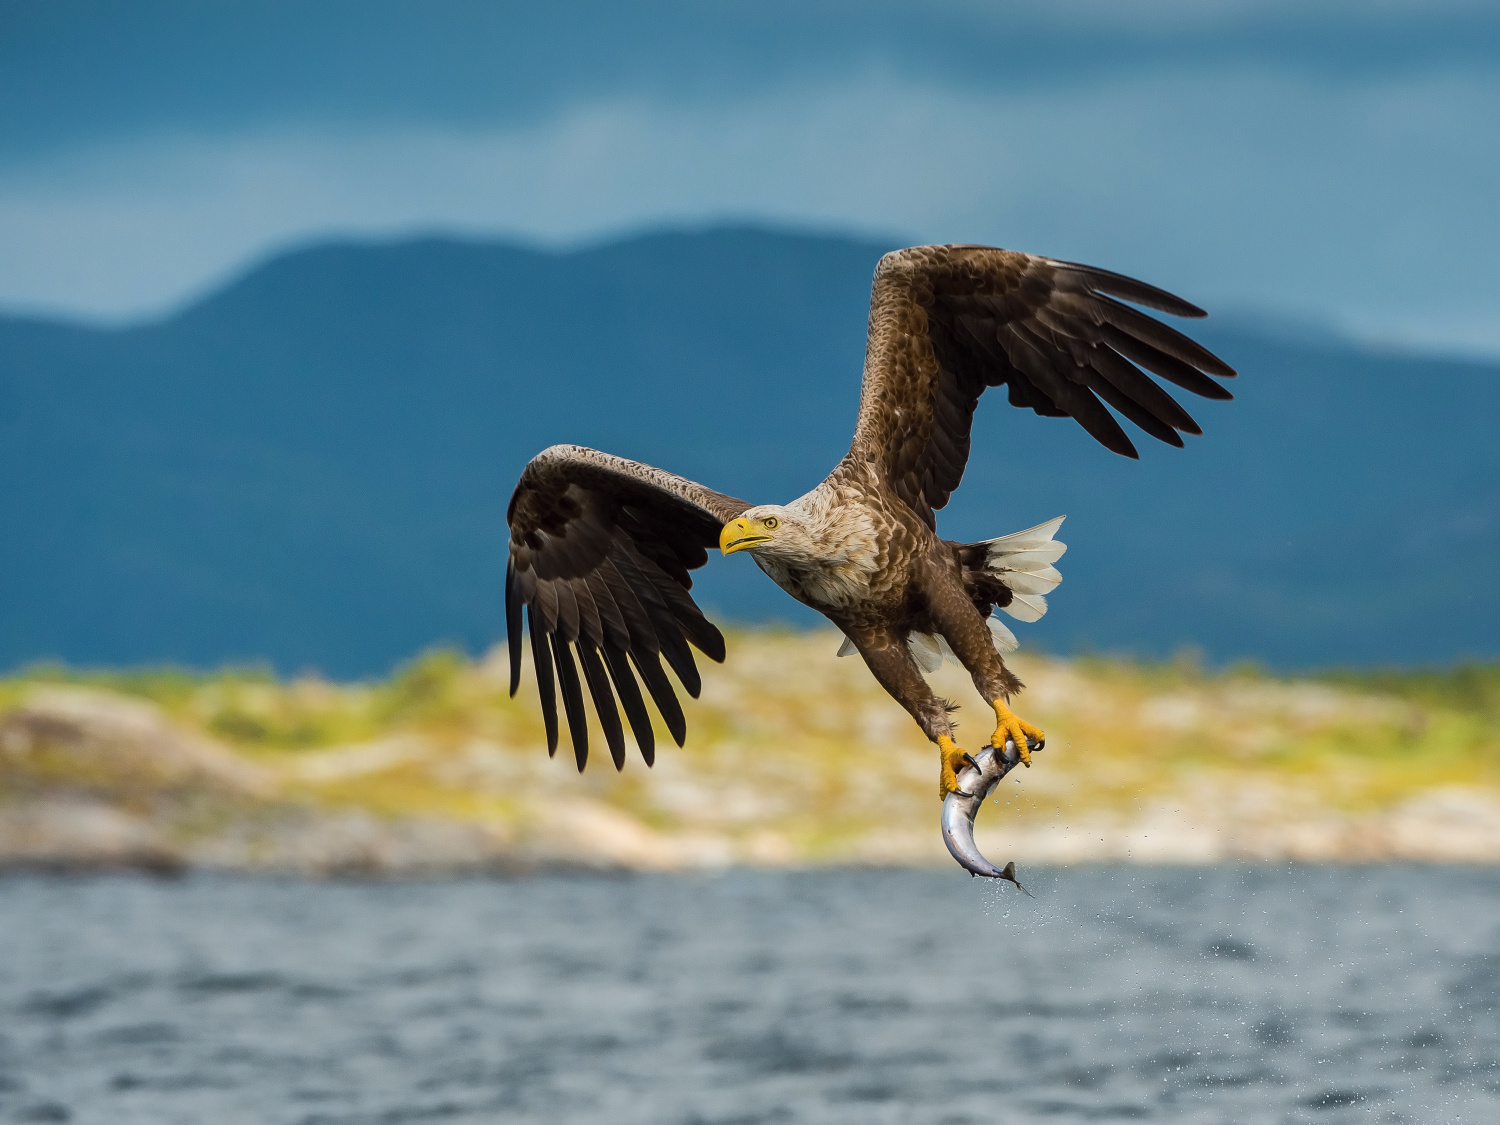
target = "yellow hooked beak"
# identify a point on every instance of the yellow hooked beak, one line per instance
(741, 534)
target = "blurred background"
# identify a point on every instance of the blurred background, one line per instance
(290, 292)
(293, 291)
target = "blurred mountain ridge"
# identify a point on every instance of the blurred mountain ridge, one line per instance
(310, 466)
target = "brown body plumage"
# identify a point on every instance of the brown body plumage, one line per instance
(601, 547)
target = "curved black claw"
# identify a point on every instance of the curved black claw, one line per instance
(1032, 746)
(970, 759)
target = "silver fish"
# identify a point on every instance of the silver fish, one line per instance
(976, 782)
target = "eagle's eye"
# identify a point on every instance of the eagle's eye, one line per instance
(772, 523)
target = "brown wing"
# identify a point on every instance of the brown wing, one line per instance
(948, 321)
(600, 549)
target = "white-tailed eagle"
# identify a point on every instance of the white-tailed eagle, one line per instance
(601, 547)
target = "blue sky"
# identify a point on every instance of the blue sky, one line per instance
(1335, 161)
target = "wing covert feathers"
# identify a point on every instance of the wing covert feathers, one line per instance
(600, 554)
(947, 322)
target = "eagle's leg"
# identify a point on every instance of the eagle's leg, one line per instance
(886, 655)
(969, 637)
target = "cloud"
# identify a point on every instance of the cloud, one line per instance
(76, 72)
(1367, 202)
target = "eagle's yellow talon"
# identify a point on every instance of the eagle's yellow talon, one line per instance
(951, 759)
(1010, 726)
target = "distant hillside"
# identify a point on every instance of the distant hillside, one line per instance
(311, 466)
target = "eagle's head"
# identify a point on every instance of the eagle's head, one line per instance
(772, 531)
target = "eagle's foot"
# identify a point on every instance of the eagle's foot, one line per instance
(950, 759)
(1017, 730)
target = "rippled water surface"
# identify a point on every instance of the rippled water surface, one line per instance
(1218, 995)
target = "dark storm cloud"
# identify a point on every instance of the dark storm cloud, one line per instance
(73, 71)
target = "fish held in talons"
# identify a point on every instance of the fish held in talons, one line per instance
(976, 782)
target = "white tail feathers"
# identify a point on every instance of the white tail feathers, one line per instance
(1023, 561)
(1038, 538)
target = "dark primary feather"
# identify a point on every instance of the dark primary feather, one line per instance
(600, 554)
(946, 322)
(662, 694)
(513, 627)
(541, 661)
(572, 693)
(604, 704)
(630, 698)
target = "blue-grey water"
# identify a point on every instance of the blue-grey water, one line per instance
(1266, 994)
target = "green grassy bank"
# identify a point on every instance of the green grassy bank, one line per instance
(795, 756)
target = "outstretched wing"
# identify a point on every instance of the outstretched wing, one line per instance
(948, 321)
(600, 549)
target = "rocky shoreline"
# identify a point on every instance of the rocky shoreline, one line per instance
(94, 782)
